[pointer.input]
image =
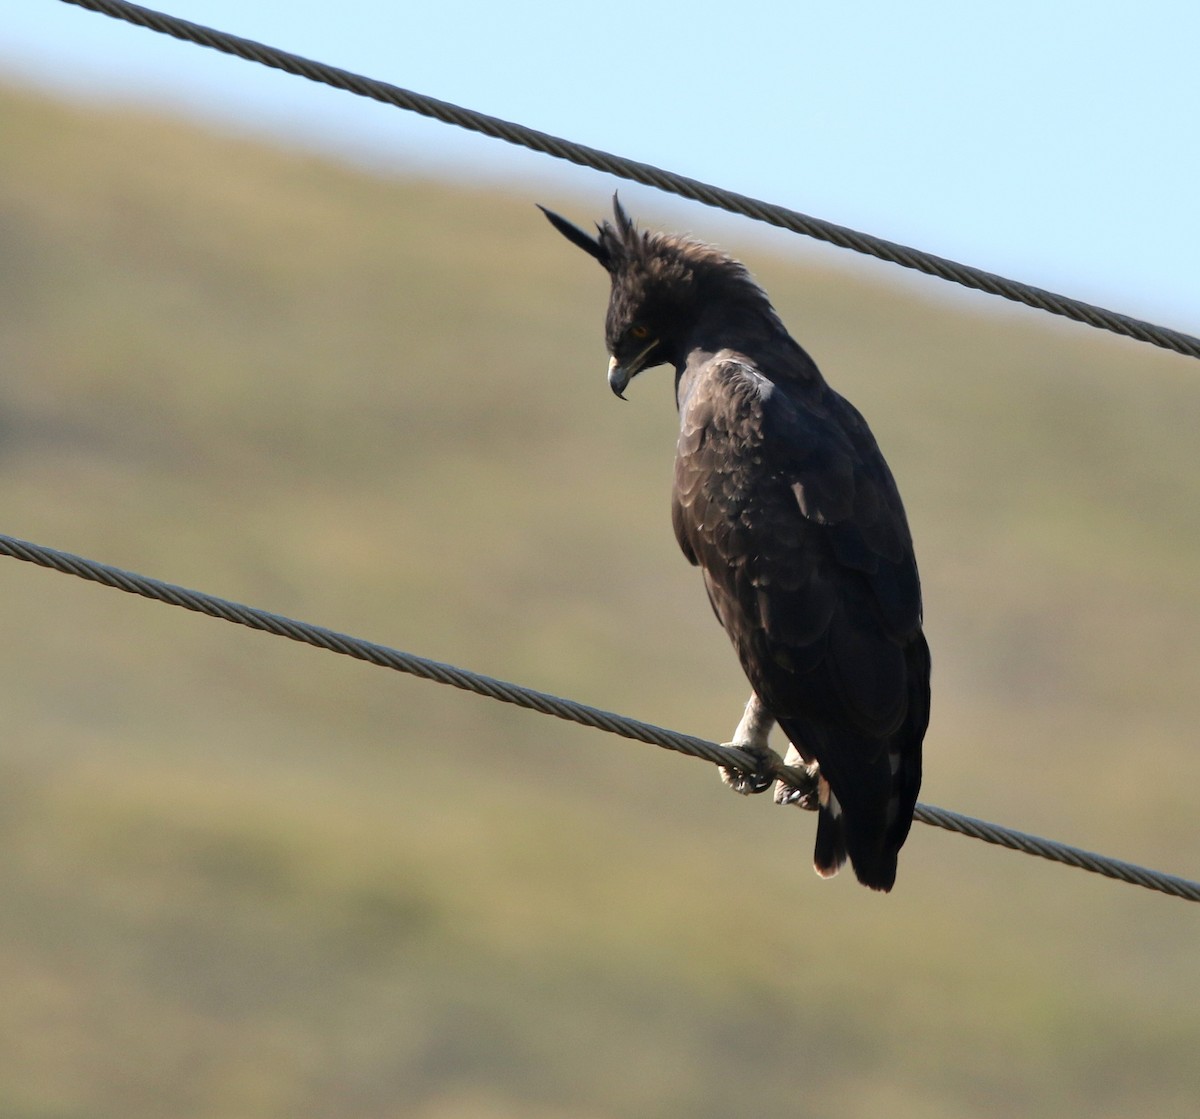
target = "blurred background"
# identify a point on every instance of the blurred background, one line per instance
(296, 349)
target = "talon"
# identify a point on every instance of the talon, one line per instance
(748, 782)
(803, 796)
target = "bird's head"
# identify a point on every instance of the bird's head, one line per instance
(661, 286)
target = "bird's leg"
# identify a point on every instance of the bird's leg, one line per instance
(751, 736)
(805, 795)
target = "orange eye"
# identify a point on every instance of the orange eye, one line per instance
(640, 332)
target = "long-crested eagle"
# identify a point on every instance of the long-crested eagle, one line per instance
(785, 503)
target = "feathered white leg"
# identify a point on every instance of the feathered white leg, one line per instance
(751, 736)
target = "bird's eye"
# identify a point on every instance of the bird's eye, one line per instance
(639, 332)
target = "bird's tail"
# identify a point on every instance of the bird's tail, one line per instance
(869, 822)
(871, 827)
(830, 851)
(862, 837)
(856, 835)
(868, 817)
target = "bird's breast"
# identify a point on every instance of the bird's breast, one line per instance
(721, 476)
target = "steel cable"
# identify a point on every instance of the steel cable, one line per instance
(560, 708)
(649, 175)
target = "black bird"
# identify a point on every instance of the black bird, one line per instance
(784, 501)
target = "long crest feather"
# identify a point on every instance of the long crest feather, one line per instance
(625, 226)
(590, 245)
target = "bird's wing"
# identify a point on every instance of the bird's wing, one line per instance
(841, 482)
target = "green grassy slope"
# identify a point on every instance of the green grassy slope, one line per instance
(244, 878)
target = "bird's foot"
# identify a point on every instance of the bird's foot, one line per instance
(802, 794)
(749, 782)
(751, 738)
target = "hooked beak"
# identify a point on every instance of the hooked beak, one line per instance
(619, 376)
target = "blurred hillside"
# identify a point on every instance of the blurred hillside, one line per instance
(241, 877)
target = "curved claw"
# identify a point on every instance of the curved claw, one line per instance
(804, 793)
(749, 782)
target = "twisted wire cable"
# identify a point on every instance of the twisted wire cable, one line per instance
(560, 708)
(648, 175)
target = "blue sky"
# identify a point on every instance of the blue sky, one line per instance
(1056, 143)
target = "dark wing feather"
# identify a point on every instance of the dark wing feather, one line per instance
(784, 500)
